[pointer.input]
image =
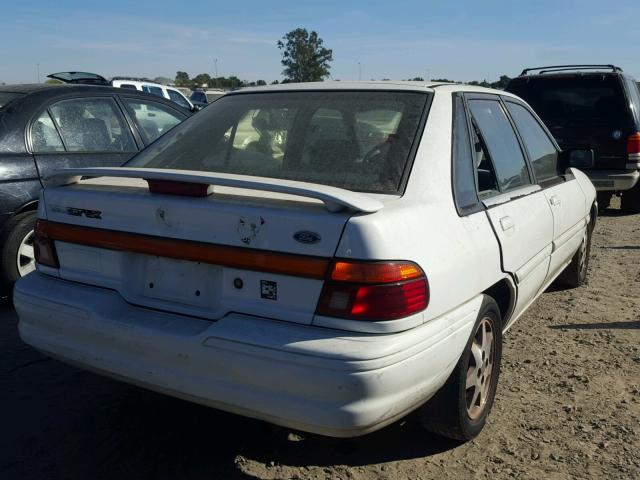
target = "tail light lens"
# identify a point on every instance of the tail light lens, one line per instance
(633, 145)
(44, 248)
(374, 291)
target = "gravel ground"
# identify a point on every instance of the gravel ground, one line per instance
(568, 406)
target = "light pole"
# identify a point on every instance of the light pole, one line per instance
(359, 71)
(215, 63)
(38, 71)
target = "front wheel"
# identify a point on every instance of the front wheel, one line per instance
(460, 408)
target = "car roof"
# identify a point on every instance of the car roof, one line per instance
(29, 87)
(570, 74)
(61, 90)
(390, 85)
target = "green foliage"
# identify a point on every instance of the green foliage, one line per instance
(304, 57)
(201, 80)
(417, 79)
(182, 79)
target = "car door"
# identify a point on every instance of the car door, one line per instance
(561, 190)
(517, 208)
(88, 131)
(152, 119)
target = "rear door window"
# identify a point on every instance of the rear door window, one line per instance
(92, 125)
(542, 153)
(44, 136)
(153, 90)
(501, 143)
(152, 118)
(177, 97)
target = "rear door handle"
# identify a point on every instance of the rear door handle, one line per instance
(555, 200)
(506, 223)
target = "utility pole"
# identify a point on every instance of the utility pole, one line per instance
(359, 71)
(38, 71)
(215, 63)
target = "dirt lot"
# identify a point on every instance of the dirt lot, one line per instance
(568, 406)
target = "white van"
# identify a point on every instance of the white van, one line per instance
(171, 93)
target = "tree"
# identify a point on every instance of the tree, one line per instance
(202, 80)
(502, 83)
(417, 79)
(182, 79)
(304, 57)
(261, 83)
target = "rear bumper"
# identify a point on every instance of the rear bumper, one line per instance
(613, 180)
(314, 379)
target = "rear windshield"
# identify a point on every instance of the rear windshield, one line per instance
(6, 97)
(355, 140)
(583, 100)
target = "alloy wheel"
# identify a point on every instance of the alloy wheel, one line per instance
(26, 259)
(480, 369)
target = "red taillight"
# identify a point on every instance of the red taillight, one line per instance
(374, 291)
(633, 145)
(44, 248)
(183, 189)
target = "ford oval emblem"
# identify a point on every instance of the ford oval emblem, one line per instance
(306, 237)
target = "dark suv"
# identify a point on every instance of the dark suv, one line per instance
(594, 110)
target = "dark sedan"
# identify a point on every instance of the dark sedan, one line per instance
(44, 128)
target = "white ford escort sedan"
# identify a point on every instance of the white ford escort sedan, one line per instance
(328, 257)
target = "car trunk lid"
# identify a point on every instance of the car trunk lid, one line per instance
(254, 245)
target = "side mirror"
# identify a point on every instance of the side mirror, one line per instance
(576, 157)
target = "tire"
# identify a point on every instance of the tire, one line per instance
(452, 412)
(15, 255)
(575, 274)
(630, 202)
(604, 199)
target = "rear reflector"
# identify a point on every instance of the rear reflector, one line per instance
(374, 291)
(184, 189)
(235, 257)
(44, 248)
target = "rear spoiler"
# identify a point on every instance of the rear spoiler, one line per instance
(335, 199)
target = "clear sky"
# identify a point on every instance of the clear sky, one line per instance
(462, 40)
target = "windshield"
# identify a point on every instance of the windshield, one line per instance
(6, 97)
(355, 140)
(585, 100)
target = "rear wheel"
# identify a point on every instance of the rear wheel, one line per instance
(16, 248)
(460, 408)
(575, 274)
(631, 200)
